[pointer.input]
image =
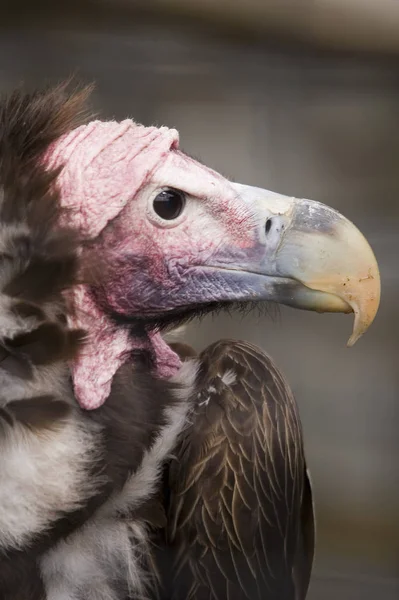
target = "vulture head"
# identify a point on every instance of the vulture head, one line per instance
(171, 238)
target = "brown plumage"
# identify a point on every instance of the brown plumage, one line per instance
(240, 513)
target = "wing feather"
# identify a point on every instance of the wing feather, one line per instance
(240, 511)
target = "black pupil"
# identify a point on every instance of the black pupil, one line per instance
(169, 204)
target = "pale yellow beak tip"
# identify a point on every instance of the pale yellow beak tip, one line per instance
(365, 309)
(353, 339)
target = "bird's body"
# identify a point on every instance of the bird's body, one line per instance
(99, 253)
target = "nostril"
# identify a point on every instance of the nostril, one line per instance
(268, 225)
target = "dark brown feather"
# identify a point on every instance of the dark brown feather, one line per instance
(40, 414)
(240, 514)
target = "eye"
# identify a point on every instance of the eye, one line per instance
(169, 204)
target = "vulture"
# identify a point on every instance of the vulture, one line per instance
(131, 466)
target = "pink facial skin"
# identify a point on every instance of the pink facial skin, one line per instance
(112, 173)
(152, 259)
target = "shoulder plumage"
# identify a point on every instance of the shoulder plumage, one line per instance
(239, 496)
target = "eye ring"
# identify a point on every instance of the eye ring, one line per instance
(169, 204)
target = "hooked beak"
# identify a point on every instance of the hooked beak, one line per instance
(314, 258)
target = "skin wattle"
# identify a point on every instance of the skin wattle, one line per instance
(109, 347)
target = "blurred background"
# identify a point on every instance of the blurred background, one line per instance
(301, 97)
